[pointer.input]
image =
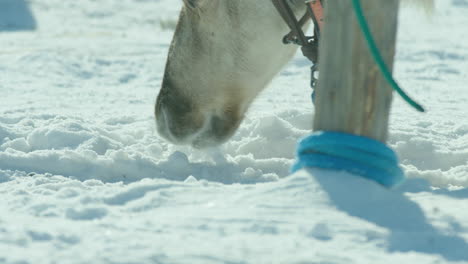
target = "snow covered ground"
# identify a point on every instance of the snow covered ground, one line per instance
(84, 177)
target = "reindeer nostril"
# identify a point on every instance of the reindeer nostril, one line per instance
(219, 126)
(178, 124)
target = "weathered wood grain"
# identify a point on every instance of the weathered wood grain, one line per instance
(352, 95)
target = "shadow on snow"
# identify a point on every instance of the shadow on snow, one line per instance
(409, 228)
(15, 15)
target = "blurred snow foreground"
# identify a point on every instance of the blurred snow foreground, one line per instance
(85, 179)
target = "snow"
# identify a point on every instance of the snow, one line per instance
(84, 177)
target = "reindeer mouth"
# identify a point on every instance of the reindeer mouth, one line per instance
(211, 132)
(218, 131)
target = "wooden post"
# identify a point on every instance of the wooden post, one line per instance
(352, 95)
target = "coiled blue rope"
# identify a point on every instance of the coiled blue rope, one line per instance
(358, 155)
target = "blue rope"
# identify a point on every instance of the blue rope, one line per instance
(358, 155)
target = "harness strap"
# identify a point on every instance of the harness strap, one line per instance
(288, 16)
(316, 9)
(291, 36)
(297, 36)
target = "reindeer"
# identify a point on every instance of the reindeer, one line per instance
(223, 54)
